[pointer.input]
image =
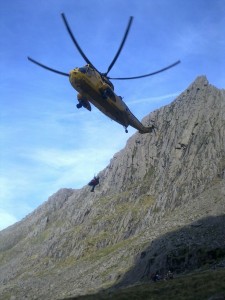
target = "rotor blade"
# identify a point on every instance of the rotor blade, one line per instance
(146, 75)
(121, 45)
(47, 68)
(76, 43)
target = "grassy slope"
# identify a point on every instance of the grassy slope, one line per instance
(201, 286)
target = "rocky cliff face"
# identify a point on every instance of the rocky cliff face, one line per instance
(160, 205)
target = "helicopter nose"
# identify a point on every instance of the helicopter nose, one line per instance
(74, 72)
(73, 77)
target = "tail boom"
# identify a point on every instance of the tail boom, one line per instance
(135, 123)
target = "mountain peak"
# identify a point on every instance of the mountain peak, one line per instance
(151, 196)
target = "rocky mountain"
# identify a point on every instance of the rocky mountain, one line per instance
(160, 205)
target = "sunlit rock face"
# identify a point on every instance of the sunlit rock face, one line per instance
(160, 204)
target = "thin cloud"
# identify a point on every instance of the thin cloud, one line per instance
(154, 99)
(59, 158)
(12, 207)
(6, 219)
(200, 38)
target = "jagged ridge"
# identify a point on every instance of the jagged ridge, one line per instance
(77, 241)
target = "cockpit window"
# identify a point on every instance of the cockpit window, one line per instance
(83, 69)
(86, 69)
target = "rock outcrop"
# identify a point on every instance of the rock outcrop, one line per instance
(159, 206)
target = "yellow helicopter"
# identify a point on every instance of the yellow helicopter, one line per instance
(96, 88)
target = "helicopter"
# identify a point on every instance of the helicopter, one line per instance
(96, 87)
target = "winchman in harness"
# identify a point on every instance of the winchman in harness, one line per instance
(93, 183)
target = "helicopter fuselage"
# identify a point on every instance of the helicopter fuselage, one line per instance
(95, 87)
(98, 90)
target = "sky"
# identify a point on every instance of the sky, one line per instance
(46, 143)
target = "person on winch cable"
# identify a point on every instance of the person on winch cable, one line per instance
(93, 183)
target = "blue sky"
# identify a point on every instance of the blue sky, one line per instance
(46, 143)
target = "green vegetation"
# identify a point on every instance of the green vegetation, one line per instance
(122, 214)
(149, 173)
(102, 252)
(201, 286)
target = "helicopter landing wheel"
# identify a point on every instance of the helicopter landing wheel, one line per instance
(126, 130)
(79, 105)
